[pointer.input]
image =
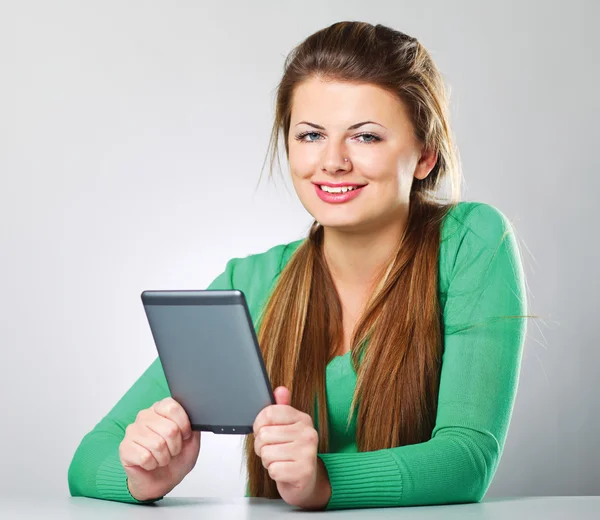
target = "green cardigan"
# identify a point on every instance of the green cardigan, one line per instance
(481, 282)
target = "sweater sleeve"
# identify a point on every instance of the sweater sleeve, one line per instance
(483, 302)
(96, 470)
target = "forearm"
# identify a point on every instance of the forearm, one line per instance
(95, 470)
(455, 467)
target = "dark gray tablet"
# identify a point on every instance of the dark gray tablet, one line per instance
(209, 352)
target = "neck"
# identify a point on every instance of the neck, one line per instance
(356, 258)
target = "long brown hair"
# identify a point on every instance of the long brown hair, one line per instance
(300, 327)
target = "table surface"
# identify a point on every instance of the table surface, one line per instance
(517, 508)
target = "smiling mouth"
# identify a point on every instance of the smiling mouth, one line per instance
(338, 197)
(341, 189)
(335, 191)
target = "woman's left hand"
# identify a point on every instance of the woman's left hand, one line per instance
(287, 442)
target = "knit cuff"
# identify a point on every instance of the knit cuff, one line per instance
(363, 479)
(111, 483)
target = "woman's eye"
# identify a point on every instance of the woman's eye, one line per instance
(305, 134)
(375, 138)
(370, 138)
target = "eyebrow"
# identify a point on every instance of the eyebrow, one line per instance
(353, 127)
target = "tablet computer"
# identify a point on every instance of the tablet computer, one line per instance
(210, 355)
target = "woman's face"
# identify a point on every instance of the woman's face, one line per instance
(383, 153)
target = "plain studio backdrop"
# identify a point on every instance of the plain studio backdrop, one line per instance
(132, 136)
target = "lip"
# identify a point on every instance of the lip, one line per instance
(337, 198)
(338, 185)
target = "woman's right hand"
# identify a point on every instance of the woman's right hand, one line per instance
(159, 449)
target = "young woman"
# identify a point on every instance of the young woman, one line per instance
(393, 332)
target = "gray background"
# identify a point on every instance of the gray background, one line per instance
(132, 135)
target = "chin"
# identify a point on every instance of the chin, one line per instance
(346, 223)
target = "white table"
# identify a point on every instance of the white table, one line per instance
(547, 508)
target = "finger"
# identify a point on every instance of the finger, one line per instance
(282, 395)
(275, 414)
(169, 431)
(155, 444)
(276, 435)
(132, 455)
(284, 472)
(172, 410)
(271, 453)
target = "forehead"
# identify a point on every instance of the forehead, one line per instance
(338, 103)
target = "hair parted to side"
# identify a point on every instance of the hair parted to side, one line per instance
(300, 327)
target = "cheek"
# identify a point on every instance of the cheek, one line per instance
(302, 165)
(371, 163)
(382, 172)
(303, 187)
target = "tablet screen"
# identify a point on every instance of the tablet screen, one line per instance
(209, 352)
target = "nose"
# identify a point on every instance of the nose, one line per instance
(335, 160)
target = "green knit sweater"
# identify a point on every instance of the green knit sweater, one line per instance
(481, 285)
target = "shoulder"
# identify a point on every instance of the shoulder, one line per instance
(262, 264)
(255, 273)
(472, 234)
(477, 220)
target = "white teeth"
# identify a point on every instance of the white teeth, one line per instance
(342, 189)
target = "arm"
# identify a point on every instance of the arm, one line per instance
(95, 470)
(483, 287)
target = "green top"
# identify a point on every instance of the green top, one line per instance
(481, 281)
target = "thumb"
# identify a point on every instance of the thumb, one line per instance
(282, 395)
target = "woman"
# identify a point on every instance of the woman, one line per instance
(393, 333)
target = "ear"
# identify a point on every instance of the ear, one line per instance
(426, 163)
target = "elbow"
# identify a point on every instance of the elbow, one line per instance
(74, 476)
(481, 455)
(79, 478)
(490, 458)
(477, 493)
(72, 482)
(486, 456)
